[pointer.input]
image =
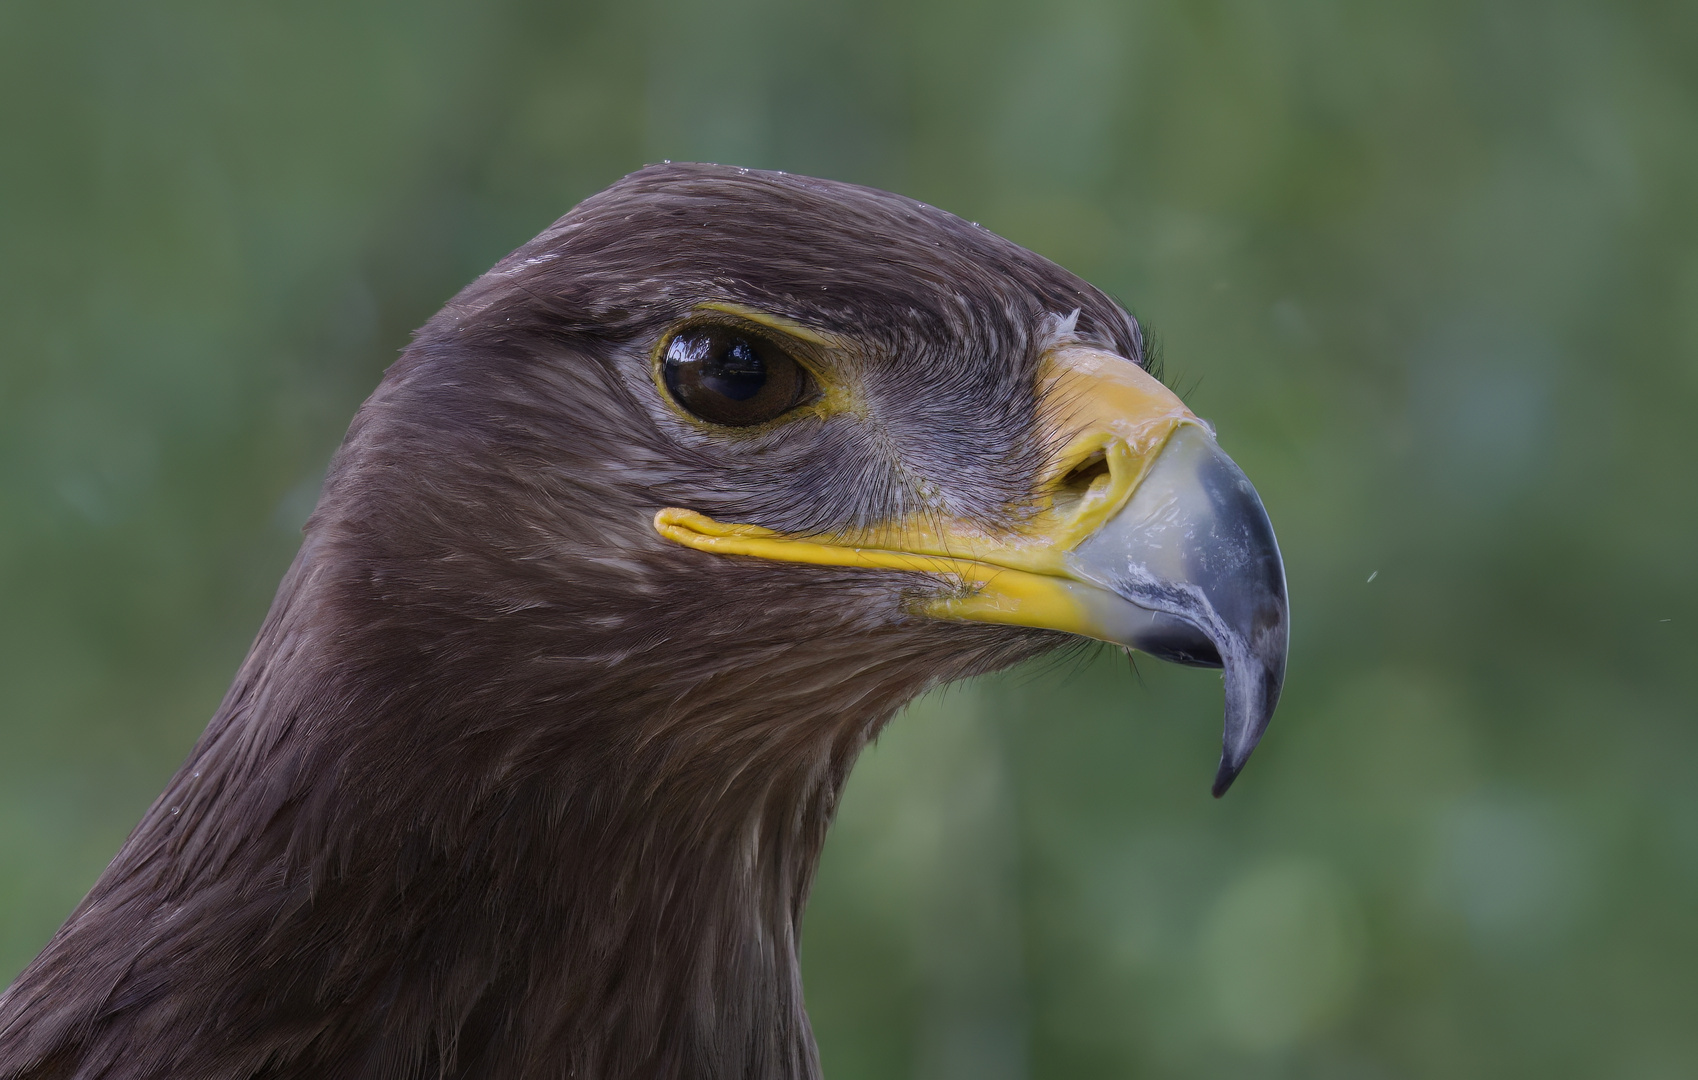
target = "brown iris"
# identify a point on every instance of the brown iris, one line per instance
(729, 377)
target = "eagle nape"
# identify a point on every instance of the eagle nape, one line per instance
(641, 541)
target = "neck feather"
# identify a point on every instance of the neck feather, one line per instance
(342, 882)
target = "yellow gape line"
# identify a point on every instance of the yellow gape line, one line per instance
(990, 593)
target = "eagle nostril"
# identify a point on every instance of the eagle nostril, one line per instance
(1072, 488)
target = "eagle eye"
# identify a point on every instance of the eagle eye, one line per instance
(729, 377)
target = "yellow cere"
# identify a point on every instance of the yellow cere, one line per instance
(1113, 419)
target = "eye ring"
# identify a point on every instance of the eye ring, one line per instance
(731, 377)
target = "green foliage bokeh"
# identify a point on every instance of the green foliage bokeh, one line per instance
(1431, 268)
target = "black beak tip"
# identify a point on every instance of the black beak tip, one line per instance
(1249, 708)
(1245, 720)
(1225, 775)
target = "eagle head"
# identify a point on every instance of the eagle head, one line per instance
(636, 546)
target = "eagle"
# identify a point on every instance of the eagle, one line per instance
(634, 549)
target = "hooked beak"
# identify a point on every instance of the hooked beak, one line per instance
(1147, 535)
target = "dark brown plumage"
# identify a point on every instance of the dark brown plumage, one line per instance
(511, 786)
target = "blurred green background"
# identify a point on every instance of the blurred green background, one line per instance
(1431, 267)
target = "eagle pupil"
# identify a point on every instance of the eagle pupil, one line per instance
(730, 378)
(736, 372)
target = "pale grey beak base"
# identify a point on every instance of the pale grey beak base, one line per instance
(1193, 553)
